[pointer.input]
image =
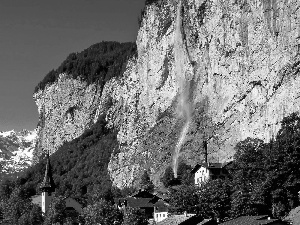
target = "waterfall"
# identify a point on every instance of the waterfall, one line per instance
(184, 107)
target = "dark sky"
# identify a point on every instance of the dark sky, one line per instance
(37, 35)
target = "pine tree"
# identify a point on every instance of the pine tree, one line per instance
(146, 182)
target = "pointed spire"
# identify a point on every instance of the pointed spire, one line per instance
(48, 182)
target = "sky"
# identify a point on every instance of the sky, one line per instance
(37, 35)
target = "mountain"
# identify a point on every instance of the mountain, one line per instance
(210, 70)
(16, 150)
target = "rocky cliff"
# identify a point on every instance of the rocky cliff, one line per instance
(215, 70)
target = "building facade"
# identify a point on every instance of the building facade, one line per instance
(209, 171)
(160, 211)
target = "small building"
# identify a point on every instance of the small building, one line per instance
(160, 210)
(186, 219)
(209, 171)
(254, 220)
(154, 207)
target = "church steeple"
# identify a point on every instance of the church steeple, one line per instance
(48, 182)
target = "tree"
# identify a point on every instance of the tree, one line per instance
(283, 166)
(183, 198)
(6, 188)
(214, 199)
(133, 216)
(36, 215)
(266, 176)
(32, 217)
(168, 177)
(249, 176)
(184, 173)
(56, 211)
(146, 183)
(15, 206)
(102, 212)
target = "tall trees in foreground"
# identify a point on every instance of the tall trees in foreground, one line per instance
(265, 179)
(266, 176)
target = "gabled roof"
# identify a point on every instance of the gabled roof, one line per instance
(161, 206)
(208, 166)
(142, 194)
(189, 219)
(139, 202)
(37, 200)
(48, 182)
(253, 220)
(141, 199)
(294, 216)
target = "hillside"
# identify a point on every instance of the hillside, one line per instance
(210, 70)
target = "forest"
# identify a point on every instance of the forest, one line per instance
(96, 64)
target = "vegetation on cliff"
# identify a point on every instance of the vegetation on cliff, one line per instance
(96, 64)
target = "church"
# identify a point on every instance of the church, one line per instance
(48, 191)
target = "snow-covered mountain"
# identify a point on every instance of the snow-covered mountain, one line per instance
(16, 150)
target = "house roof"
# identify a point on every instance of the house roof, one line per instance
(189, 219)
(139, 202)
(141, 199)
(208, 166)
(142, 194)
(161, 206)
(208, 222)
(37, 200)
(294, 216)
(252, 220)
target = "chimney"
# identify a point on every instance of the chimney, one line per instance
(205, 151)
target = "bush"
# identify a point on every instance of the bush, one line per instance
(102, 212)
(146, 183)
(214, 199)
(133, 216)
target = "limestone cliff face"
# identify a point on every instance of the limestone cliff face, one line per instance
(66, 108)
(220, 70)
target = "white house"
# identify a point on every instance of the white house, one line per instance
(160, 210)
(206, 171)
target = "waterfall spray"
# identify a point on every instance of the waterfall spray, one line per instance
(184, 107)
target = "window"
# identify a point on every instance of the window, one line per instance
(163, 215)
